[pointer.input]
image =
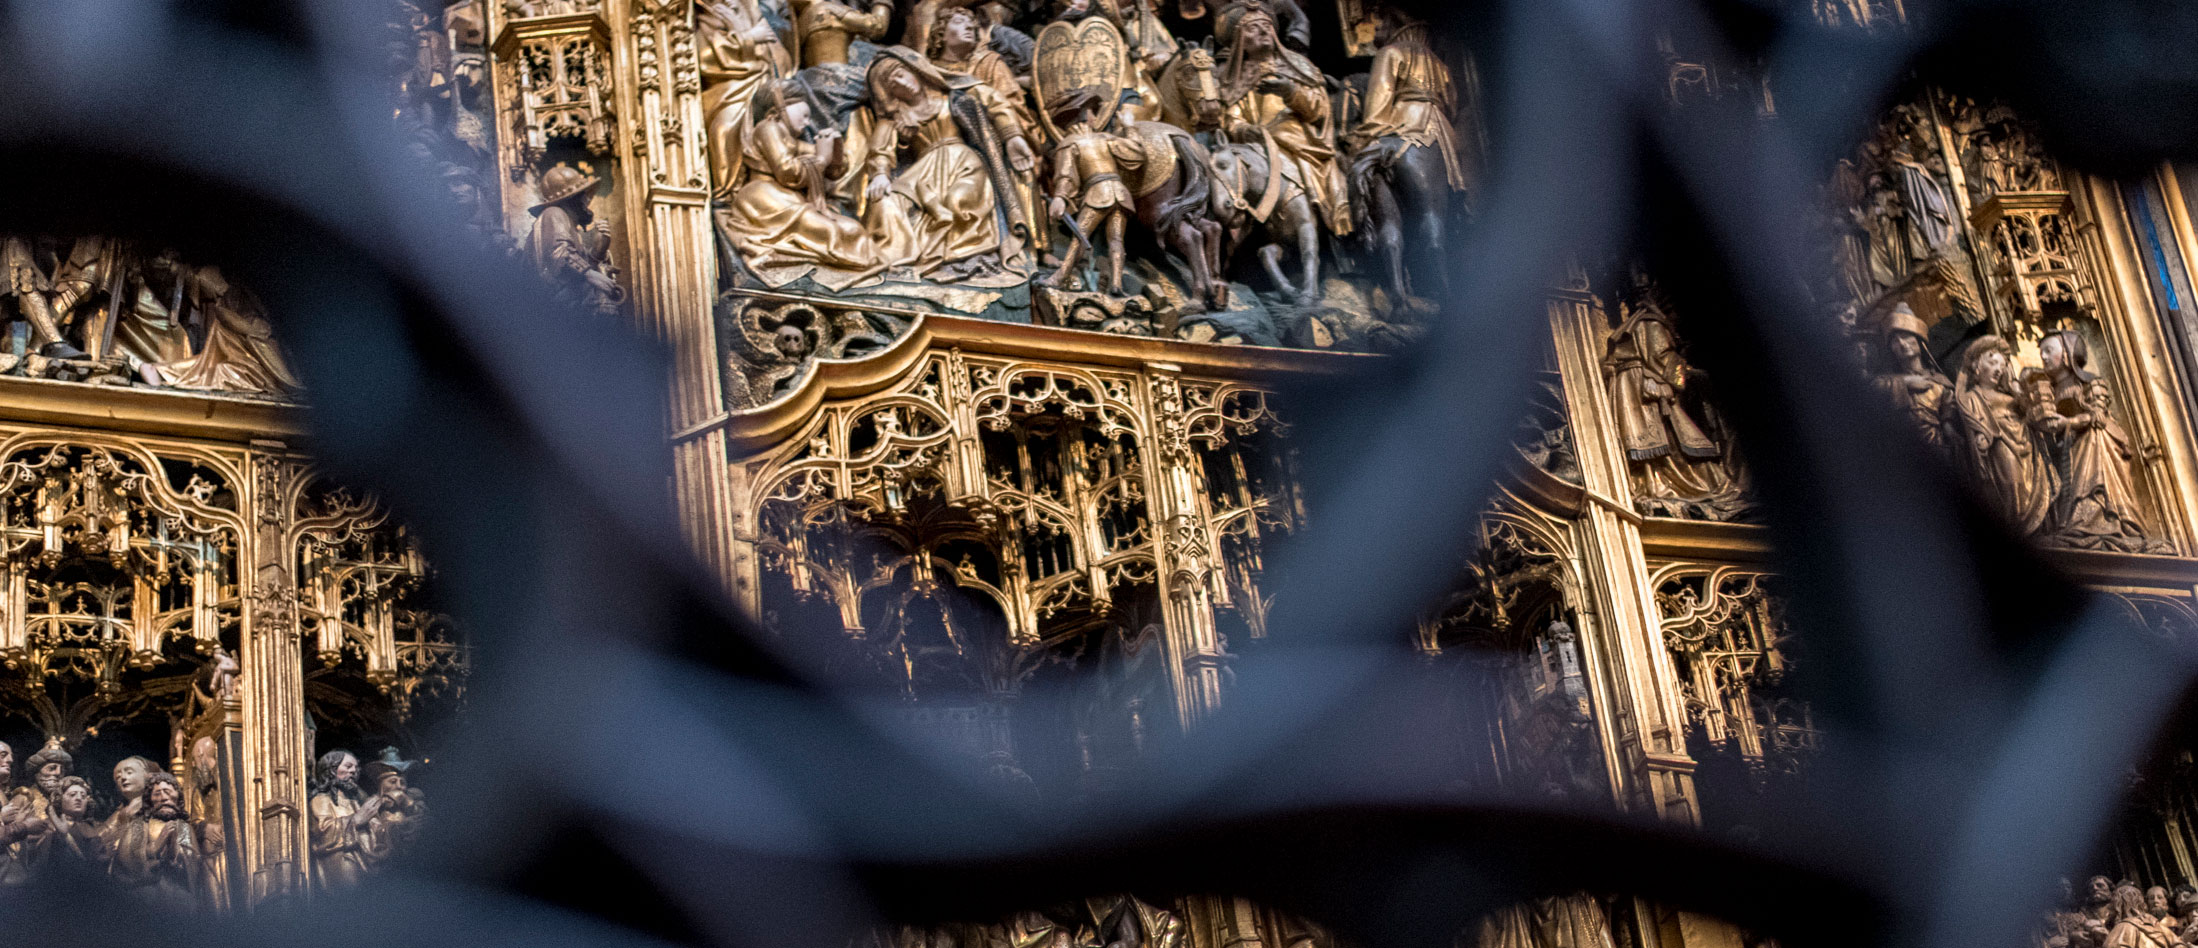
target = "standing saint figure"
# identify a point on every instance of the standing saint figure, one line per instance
(1678, 466)
(569, 246)
(781, 219)
(942, 217)
(1912, 380)
(1986, 428)
(1275, 94)
(66, 845)
(156, 855)
(2097, 507)
(340, 813)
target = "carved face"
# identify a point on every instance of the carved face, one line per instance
(74, 801)
(792, 342)
(7, 762)
(1905, 345)
(49, 776)
(2053, 353)
(1994, 371)
(899, 83)
(392, 784)
(163, 800)
(796, 114)
(347, 769)
(958, 31)
(1258, 35)
(2156, 900)
(2102, 889)
(129, 778)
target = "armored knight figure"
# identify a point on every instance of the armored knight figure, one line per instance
(572, 253)
(1087, 181)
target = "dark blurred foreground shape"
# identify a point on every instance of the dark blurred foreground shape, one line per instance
(1104, 474)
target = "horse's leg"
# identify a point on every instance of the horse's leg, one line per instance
(1217, 287)
(1308, 248)
(1427, 184)
(1271, 255)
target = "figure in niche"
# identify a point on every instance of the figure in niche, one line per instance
(740, 53)
(2097, 507)
(1993, 443)
(569, 246)
(940, 216)
(781, 220)
(2133, 924)
(1087, 182)
(340, 814)
(156, 857)
(1275, 95)
(397, 817)
(66, 845)
(1912, 379)
(1404, 162)
(1679, 468)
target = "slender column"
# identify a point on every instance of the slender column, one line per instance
(1176, 487)
(675, 269)
(271, 692)
(1648, 723)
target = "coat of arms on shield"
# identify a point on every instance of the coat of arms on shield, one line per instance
(1086, 54)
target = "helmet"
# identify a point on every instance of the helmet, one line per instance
(562, 182)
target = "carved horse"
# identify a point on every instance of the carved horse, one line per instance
(1174, 190)
(1190, 97)
(1256, 192)
(1400, 199)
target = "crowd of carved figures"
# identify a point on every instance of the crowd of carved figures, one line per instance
(943, 155)
(2105, 913)
(142, 836)
(106, 310)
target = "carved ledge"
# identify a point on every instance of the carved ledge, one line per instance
(149, 411)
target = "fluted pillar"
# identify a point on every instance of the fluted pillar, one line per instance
(271, 833)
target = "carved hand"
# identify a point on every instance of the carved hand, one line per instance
(1057, 207)
(877, 188)
(1018, 153)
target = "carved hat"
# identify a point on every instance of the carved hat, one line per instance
(50, 754)
(1233, 18)
(560, 183)
(370, 776)
(1903, 318)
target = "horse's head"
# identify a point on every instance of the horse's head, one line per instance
(1196, 88)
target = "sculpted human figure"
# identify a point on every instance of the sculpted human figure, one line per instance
(739, 52)
(782, 214)
(2135, 927)
(130, 777)
(156, 855)
(397, 818)
(569, 246)
(941, 217)
(1087, 183)
(1911, 380)
(1674, 457)
(1404, 157)
(34, 293)
(67, 844)
(1275, 94)
(1986, 428)
(340, 813)
(956, 48)
(239, 353)
(2097, 507)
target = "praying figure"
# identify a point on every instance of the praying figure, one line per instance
(156, 855)
(340, 813)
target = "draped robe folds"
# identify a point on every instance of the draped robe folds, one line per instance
(781, 234)
(158, 860)
(240, 354)
(1676, 458)
(339, 859)
(939, 210)
(1302, 126)
(2097, 507)
(736, 62)
(1409, 97)
(2004, 457)
(1920, 398)
(2141, 931)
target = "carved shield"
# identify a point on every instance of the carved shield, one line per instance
(1086, 54)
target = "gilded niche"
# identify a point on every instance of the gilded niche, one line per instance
(1095, 164)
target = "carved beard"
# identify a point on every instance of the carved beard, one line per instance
(348, 789)
(167, 811)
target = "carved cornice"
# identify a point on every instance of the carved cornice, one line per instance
(832, 379)
(144, 411)
(1701, 541)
